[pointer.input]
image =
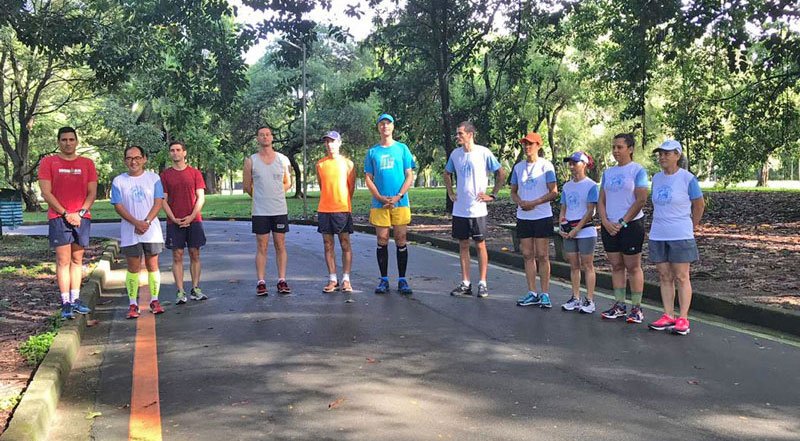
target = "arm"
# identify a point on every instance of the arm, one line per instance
(198, 206)
(515, 196)
(47, 194)
(351, 180)
(698, 207)
(168, 210)
(404, 189)
(448, 184)
(287, 178)
(551, 195)
(247, 176)
(641, 198)
(562, 216)
(373, 188)
(499, 177)
(139, 226)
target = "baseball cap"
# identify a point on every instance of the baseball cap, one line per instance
(668, 145)
(385, 116)
(334, 135)
(577, 157)
(532, 137)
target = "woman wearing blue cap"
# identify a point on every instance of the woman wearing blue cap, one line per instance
(678, 205)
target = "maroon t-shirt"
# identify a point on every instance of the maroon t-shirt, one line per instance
(69, 181)
(181, 189)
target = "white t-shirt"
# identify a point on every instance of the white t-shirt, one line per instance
(531, 179)
(472, 170)
(137, 194)
(619, 183)
(576, 196)
(672, 205)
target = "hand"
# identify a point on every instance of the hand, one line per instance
(141, 226)
(563, 234)
(611, 227)
(185, 221)
(451, 195)
(483, 197)
(572, 233)
(73, 219)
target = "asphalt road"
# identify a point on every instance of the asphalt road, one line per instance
(428, 367)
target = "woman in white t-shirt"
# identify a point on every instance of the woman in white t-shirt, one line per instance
(533, 186)
(678, 205)
(578, 202)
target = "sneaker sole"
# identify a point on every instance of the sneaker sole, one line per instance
(262, 294)
(180, 301)
(585, 312)
(545, 306)
(659, 328)
(632, 321)
(612, 317)
(527, 304)
(483, 296)
(675, 331)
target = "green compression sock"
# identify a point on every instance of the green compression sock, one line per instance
(132, 285)
(619, 295)
(636, 298)
(154, 281)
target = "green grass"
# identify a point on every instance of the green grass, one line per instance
(35, 348)
(751, 189)
(25, 256)
(423, 201)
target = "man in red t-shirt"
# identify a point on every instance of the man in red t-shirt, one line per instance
(68, 183)
(184, 196)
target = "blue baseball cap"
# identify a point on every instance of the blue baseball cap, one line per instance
(385, 116)
(577, 157)
(668, 145)
(334, 135)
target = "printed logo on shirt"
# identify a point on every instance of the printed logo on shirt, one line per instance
(70, 171)
(616, 183)
(662, 195)
(571, 199)
(529, 183)
(277, 176)
(387, 162)
(138, 193)
(466, 169)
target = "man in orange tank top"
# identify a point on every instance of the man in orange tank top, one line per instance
(337, 182)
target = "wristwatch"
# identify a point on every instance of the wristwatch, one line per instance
(82, 212)
(493, 196)
(64, 214)
(623, 223)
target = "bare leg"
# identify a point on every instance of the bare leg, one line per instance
(463, 252)
(633, 264)
(575, 274)
(75, 267)
(527, 247)
(262, 242)
(330, 255)
(617, 270)
(542, 251)
(177, 267)
(483, 258)
(681, 272)
(667, 284)
(63, 268)
(194, 261)
(347, 252)
(279, 239)
(587, 263)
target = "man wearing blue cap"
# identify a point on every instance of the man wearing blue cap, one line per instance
(389, 173)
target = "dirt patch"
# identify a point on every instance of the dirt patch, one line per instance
(749, 245)
(28, 298)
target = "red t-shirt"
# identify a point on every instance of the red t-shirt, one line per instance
(181, 189)
(69, 181)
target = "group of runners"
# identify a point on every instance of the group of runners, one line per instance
(69, 186)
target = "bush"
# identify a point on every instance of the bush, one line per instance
(36, 347)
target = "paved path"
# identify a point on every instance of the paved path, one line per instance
(429, 367)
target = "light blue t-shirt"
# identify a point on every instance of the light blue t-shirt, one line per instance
(137, 194)
(577, 196)
(388, 166)
(531, 179)
(672, 205)
(619, 183)
(472, 170)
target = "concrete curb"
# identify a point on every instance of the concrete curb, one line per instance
(32, 416)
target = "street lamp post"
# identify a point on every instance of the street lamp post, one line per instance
(305, 129)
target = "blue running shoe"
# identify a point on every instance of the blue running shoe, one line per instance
(79, 307)
(66, 311)
(529, 299)
(403, 288)
(383, 286)
(544, 300)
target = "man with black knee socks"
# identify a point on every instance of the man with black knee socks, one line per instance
(389, 173)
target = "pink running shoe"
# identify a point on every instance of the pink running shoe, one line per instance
(681, 326)
(662, 323)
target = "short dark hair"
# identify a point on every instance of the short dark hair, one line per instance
(260, 128)
(141, 150)
(180, 143)
(627, 137)
(468, 126)
(66, 129)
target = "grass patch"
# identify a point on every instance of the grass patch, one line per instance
(35, 348)
(25, 256)
(23, 270)
(10, 402)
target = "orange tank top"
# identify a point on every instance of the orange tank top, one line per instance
(332, 174)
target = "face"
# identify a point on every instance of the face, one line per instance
(577, 168)
(668, 158)
(135, 161)
(620, 150)
(386, 127)
(463, 136)
(264, 137)
(332, 146)
(531, 148)
(177, 153)
(67, 143)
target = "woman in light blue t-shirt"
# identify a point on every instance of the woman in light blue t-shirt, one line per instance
(678, 205)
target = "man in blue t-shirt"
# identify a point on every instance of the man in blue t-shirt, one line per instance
(388, 167)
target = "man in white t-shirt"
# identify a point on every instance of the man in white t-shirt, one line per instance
(471, 164)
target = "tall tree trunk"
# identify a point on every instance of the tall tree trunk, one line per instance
(298, 177)
(210, 177)
(763, 174)
(441, 30)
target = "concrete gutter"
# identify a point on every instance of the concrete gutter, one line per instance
(32, 417)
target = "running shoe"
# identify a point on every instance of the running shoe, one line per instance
(261, 288)
(572, 304)
(156, 308)
(636, 315)
(331, 286)
(80, 307)
(587, 307)
(681, 326)
(544, 300)
(462, 290)
(618, 309)
(133, 312)
(383, 286)
(664, 322)
(180, 298)
(197, 294)
(529, 299)
(483, 291)
(403, 287)
(66, 311)
(283, 287)
(346, 286)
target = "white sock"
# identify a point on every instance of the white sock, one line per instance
(466, 282)
(134, 301)
(345, 277)
(482, 282)
(64, 297)
(332, 277)
(74, 294)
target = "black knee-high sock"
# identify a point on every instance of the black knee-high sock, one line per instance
(383, 260)
(402, 260)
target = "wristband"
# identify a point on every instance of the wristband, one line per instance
(493, 196)
(64, 214)
(623, 223)
(82, 212)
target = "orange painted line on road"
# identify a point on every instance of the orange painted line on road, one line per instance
(145, 420)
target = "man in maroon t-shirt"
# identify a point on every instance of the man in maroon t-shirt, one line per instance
(68, 183)
(184, 196)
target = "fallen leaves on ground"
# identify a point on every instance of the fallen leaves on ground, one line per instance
(336, 403)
